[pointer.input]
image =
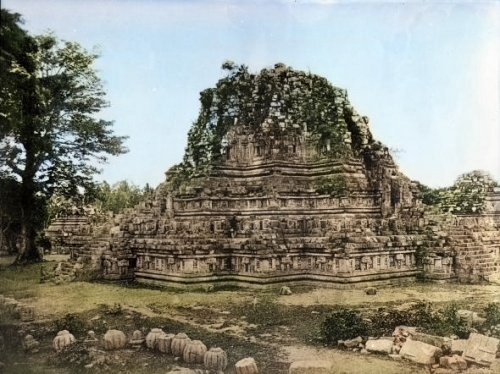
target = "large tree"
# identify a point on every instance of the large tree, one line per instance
(51, 138)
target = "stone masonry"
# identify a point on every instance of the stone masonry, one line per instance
(276, 198)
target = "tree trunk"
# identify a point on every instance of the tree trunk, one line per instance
(28, 253)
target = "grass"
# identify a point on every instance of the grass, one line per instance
(228, 318)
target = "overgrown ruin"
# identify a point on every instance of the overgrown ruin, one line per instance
(283, 182)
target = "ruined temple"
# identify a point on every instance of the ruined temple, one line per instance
(282, 181)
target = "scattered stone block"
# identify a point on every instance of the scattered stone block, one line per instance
(353, 343)
(285, 290)
(454, 362)
(458, 346)
(178, 344)
(114, 339)
(153, 337)
(165, 343)
(404, 331)
(26, 312)
(137, 339)
(371, 291)
(421, 353)
(91, 339)
(311, 367)
(443, 371)
(472, 318)
(194, 352)
(63, 339)
(481, 349)
(246, 366)
(181, 370)
(437, 341)
(30, 344)
(215, 359)
(379, 346)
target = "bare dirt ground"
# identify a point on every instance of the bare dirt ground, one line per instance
(274, 329)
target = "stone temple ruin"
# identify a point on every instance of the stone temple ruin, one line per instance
(282, 181)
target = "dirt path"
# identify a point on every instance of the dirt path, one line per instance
(352, 363)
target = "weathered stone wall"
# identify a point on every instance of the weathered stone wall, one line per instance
(288, 200)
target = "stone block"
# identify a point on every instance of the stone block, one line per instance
(371, 291)
(454, 362)
(311, 367)
(404, 331)
(437, 341)
(379, 346)
(353, 343)
(419, 352)
(481, 349)
(458, 346)
(470, 317)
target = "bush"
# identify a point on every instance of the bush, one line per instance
(343, 324)
(384, 322)
(267, 312)
(446, 322)
(335, 186)
(72, 323)
(492, 314)
(115, 310)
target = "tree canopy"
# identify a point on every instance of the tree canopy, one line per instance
(51, 139)
(466, 196)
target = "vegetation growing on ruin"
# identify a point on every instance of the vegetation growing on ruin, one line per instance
(335, 186)
(466, 196)
(273, 102)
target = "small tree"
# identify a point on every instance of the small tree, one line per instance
(120, 196)
(50, 136)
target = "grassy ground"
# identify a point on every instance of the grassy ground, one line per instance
(274, 329)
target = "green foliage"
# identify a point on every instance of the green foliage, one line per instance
(306, 102)
(71, 322)
(384, 321)
(335, 186)
(120, 196)
(114, 310)
(466, 196)
(492, 314)
(446, 322)
(430, 196)
(50, 136)
(343, 324)
(468, 193)
(266, 312)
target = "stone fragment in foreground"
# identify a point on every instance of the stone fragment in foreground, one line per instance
(454, 362)
(353, 343)
(181, 370)
(114, 339)
(311, 367)
(246, 366)
(379, 346)
(481, 349)
(437, 341)
(458, 346)
(421, 353)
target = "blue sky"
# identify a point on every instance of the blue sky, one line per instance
(425, 73)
